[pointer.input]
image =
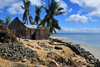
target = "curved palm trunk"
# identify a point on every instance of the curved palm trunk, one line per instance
(27, 13)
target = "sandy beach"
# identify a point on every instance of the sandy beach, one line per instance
(43, 48)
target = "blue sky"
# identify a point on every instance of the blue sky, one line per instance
(82, 15)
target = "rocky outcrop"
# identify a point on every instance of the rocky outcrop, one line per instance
(86, 54)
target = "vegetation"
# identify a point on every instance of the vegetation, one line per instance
(26, 12)
(52, 10)
(7, 19)
(37, 17)
(30, 19)
(49, 22)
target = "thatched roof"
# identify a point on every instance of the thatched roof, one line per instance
(16, 23)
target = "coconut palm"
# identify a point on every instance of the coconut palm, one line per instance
(30, 19)
(52, 10)
(26, 7)
(7, 20)
(54, 25)
(37, 17)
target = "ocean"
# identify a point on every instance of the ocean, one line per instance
(91, 42)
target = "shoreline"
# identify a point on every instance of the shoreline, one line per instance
(91, 51)
(82, 46)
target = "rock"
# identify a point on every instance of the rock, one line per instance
(75, 60)
(41, 66)
(52, 64)
(97, 64)
(71, 63)
(90, 65)
(16, 51)
(57, 57)
(92, 61)
(24, 60)
(83, 63)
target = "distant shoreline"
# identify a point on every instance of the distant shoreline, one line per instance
(76, 33)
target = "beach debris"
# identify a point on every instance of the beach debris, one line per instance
(51, 42)
(6, 36)
(58, 48)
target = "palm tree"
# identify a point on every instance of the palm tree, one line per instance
(52, 10)
(30, 19)
(7, 20)
(37, 17)
(54, 25)
(26, 7)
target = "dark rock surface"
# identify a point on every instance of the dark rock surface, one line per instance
(86, 54)
(15, 51)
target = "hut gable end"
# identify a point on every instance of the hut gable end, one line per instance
(16, 24)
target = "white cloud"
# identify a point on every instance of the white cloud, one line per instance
(64, 5)
(77, 18)
(14, 5)
(94, 13)
(8, 3)
(70, 10)
(15, 8)
(92, 19)
(81, 30)
(4, 3)
(91, 5)
(80, 11)
(36, 2)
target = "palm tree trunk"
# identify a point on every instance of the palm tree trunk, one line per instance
(27, 13)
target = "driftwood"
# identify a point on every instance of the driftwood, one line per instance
(58, 48)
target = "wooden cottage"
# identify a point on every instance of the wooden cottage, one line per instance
(27, 31)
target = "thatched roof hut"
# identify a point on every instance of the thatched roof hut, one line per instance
(27, 31)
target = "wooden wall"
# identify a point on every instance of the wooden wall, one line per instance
(40, 33)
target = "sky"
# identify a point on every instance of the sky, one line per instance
(82, 15)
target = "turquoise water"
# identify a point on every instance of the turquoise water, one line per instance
(90, 42)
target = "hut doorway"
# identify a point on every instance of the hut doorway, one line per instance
(33, 37)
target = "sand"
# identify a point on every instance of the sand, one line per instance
(42, 52)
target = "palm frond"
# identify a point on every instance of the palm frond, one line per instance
(60, 8)
(59, 13)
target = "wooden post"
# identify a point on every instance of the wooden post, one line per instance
(25, 32)
(20, 32)
(30, 33)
